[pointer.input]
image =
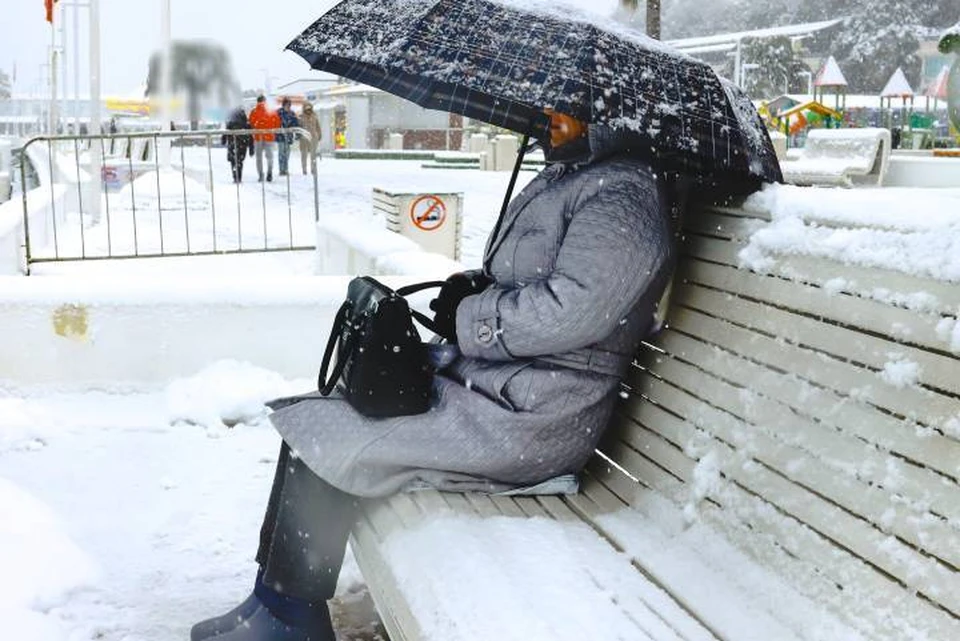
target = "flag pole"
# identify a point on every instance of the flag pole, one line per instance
(96, 148)
(166, 115)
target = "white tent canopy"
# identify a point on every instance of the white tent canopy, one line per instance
(830, 75)
(897, 86)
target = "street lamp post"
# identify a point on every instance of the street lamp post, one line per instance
(163, 145)
(96, 147)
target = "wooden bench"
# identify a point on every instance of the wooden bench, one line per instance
(840, 157)
(783, 466)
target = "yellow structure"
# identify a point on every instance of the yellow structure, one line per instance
(799, 119)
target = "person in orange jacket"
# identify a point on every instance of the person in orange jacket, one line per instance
(263, 118)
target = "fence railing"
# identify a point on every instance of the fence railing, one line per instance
(151, 207)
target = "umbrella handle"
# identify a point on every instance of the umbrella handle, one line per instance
(506, 197)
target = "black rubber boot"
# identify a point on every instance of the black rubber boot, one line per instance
(226, 623)
(265, 626)
(302, 543)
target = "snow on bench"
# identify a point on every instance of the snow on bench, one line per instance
(840, 157)
(783, 466)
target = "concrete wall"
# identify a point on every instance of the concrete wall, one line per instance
(922, 169)
(49, 204)
(65, 332)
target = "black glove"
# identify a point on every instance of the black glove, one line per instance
(457, 287)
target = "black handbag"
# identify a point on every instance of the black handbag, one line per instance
(381, 368)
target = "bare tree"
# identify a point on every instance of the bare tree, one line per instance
(653, 15)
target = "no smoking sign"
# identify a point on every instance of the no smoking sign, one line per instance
(428, 212)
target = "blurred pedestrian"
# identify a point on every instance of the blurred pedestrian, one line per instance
(288, 120)
(264, 118)
(238, 145)
(308, 147)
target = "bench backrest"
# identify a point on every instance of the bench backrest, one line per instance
(865, 150)
(811, 411)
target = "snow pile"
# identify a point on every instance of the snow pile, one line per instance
(19, 421)
(805, 223)
(41, 566)
(170, 188)
(706, 482)
(952, 427)
(948, 329)
(225, 394)
(900, 372)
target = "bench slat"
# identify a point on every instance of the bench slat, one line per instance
(661, 618)
(896, 558)
(738, 212)
(809, 419)
(715, 224)
(847, 379)
(871, 283)
(827, 573)
(378, 520)
(647, 515)
(874, 317)
(872, 503)
(818, 563)
(936, 370)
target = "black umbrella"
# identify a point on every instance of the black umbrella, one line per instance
(493, 61)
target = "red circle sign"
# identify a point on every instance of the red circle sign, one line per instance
(428, 212)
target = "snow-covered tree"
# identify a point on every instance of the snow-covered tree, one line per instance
(875, 38)
(628, 11)
(777, 66)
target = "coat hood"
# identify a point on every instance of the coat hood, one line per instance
(238, 116)
(601, 142)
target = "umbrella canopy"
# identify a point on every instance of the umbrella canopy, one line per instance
(497, 62)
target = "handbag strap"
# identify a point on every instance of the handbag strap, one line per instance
(326, 384)
(422, 318)
(406, 290)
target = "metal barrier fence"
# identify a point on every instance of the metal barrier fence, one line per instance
(151, 209)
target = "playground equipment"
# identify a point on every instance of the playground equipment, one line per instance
(897, 87)
(831, 80)
(950, 42)
(799, 117)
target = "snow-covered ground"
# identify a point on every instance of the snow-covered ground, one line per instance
(127, 517)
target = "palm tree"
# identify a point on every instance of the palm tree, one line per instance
(199, 69)
(653, 15)
(4, 85)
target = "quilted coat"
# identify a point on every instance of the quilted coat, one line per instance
(580, 263)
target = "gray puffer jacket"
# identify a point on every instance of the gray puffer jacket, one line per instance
(580, 262)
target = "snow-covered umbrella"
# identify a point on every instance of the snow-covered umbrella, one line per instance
(505, 61)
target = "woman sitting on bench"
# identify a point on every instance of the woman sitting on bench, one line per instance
(545, 332)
